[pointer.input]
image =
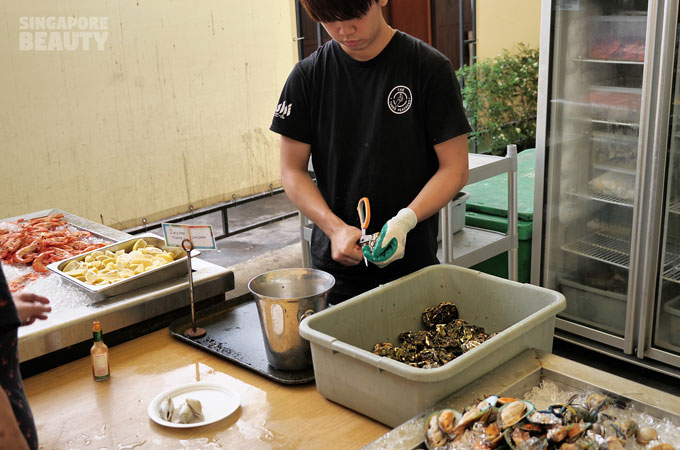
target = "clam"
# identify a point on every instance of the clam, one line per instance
(646, 434)
(478, 412)
(544, 418)
(513, 412)
(629, 427)
(569, 432)
(612, 444)
(516, 437)
(434, 436)
(597, 402)
(662, 446)
(447, 420)
(492, 435)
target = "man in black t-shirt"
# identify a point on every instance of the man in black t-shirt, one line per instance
(381, 115)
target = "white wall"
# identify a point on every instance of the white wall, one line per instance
(173, 111)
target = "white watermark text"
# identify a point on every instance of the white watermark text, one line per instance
(61, 33)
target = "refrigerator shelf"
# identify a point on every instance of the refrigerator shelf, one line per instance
(674, 207)
(601, 247)
(603, 198)
(672, 274)
(613, 122)
(608, 123)
(613, 168)
(609, 61)
(615, 251)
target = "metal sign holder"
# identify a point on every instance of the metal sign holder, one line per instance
(193, 332)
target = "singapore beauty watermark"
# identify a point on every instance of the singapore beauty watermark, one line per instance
(63, 33)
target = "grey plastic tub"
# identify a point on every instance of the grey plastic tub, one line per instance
(596, 307)
(456, 214)
(672, 307)
(457, 217)
(391, 392)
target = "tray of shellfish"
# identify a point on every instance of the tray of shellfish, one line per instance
(583, 421)
(125, 266)
(543, 401)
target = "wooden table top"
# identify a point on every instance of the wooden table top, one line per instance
(73, 411)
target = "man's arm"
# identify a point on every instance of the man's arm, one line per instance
(449, 179)
(306, 196)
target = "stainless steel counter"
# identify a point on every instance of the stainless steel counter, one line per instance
(70, 321)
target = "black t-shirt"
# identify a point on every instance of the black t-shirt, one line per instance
(372, 126)
(10, 376)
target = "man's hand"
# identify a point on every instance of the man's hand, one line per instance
(31, 307)
(392, 241)
(344, 248)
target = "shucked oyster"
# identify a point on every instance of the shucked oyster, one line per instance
(196, 407)
(183, 414)
(190, 409)
(166, 409)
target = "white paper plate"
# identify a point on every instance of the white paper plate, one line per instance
(218, 402)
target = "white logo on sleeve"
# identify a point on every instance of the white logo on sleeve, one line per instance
(283, 110)
(399, 100)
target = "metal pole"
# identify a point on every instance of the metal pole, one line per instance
(513, 269)
(193, 332)
(461, 25)
(298, 22)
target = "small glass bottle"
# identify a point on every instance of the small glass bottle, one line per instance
(99, 354)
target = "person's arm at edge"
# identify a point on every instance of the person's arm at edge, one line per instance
(11, 437)
(449, 179)
(306, 196)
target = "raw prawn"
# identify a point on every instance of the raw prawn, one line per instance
(39, 242)
(39, 263)
(27, 254)
(18, 283)
(11, 245)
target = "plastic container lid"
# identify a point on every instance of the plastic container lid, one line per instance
(490, 196)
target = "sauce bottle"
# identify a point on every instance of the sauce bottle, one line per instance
(99, 354)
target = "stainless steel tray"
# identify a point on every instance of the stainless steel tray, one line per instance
(529, 370)
(168, 271)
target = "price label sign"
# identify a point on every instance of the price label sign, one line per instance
(201, 236)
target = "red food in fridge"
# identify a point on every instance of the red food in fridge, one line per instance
(623, 100)
(604, 49)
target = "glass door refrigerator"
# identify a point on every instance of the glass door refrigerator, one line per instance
(607, 198)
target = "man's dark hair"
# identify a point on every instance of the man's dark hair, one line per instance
(336, 10)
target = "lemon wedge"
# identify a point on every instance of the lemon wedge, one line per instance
(91, 276)
(141, 243)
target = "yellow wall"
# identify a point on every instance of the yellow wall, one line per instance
(505, 23)
(174, 111)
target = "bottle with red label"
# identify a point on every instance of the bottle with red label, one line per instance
(99, 354)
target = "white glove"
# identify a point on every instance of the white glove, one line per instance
(392, 241)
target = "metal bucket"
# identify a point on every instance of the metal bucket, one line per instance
(284, 298)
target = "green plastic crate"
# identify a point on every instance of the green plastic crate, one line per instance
(498, 265)
(487, 208)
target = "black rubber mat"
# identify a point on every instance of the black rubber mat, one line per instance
(234, 334)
